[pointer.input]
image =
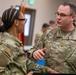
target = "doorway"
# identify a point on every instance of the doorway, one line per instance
(29, 26)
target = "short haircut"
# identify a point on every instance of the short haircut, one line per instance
(72, 7)
(45, 25)
(51, 22)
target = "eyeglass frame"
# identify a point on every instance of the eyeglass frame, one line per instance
(24, 19)
(62, 14)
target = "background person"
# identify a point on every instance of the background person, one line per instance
(52, 24)
(41, 32)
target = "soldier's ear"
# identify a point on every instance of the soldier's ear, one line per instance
(16, 22)
(73, 17)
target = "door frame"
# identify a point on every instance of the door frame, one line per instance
(28, 39)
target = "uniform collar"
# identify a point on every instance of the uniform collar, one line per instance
(66, 35)
(12, 36)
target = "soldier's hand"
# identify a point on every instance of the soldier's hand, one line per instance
(38, 54)
(30, 73)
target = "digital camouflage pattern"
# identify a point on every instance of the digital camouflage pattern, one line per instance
(13, 60)
(60, 52)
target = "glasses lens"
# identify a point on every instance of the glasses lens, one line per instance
(62, 14)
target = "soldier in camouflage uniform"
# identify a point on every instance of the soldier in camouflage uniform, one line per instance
(60, 43)
(40, 33)
(13, 60)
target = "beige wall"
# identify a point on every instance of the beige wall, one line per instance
(45, 10)
(73, 1)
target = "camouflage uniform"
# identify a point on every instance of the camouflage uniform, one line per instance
(61, 50)
(13, 60)
(38, 36)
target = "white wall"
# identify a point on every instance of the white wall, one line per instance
(45, 10)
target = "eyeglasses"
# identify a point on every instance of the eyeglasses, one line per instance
(62, 14)
(24, 19)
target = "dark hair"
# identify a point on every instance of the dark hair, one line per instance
(72, 7)
(8, 17)
(45, 25)
(51, 22)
